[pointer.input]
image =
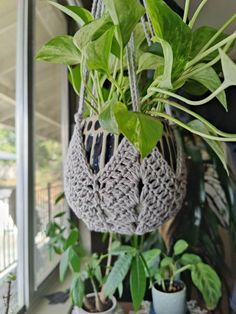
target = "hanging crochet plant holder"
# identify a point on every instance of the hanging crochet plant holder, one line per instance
(109, 186)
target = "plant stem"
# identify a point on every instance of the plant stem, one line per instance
(222, 87)
(189, 74)
(99, 88)
(98, 302)
(186, 10)
(109, 254)
(195, 115)
(185, 126)
(114, 77)
(196, 14)
(108, 266)
(180, 270)
(202, 55)
(213, 38)
(113, 81)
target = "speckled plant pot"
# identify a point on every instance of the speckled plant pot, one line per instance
(169, 303)
(112, 310)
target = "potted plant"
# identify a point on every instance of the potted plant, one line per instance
(136, 101)
(84, 269)
(169, 291)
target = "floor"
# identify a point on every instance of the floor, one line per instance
(63, 308)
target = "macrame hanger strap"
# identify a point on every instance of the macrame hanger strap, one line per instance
(149, 23)
(132, 74)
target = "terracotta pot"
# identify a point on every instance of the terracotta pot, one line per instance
(112, 310)
(169, 302)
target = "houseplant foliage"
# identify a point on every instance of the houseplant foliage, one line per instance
(84, 268)
(132, 261)
(208, 211)
(202, 275)
(182, 58)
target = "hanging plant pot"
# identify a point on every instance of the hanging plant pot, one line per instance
(111, 189)
(112, 305)
(170, 302)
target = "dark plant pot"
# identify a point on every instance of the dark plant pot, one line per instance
(169, 302)
(113, 190)
(111, 310)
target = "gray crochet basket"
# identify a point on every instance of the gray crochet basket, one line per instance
(107, 184)
(123, 194)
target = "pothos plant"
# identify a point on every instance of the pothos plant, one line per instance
(178, 57)
(203, 276)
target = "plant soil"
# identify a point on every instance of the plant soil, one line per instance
(176, 287)
(92, 309)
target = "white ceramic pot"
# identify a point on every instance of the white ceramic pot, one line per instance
(169, 303)
(112, 310)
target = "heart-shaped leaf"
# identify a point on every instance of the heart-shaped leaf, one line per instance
(180, 246)
(150, 61)
(60, 49)
(125, 15)
(190, 259)
(208, 282)
(169, 27)
(92, 31)
(98, 51)
(107, 117)
(78, 14)
(210, 79)
(142, 130)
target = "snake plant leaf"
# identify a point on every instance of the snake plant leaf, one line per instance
(92, 31)
(201, 37)
(208, 283)
(210, 79)
(60, 49)
(216, 146)
(125, 15)
(180, 246)
(170, 28)
(78, 14)
(142, 130)
(137, 282)
(98, 51)
(229, 69)
(149, 61)
(117, 274)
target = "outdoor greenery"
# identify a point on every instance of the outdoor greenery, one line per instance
(178, 57)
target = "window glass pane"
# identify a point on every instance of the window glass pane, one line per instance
(8, 223)
(49, 79)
